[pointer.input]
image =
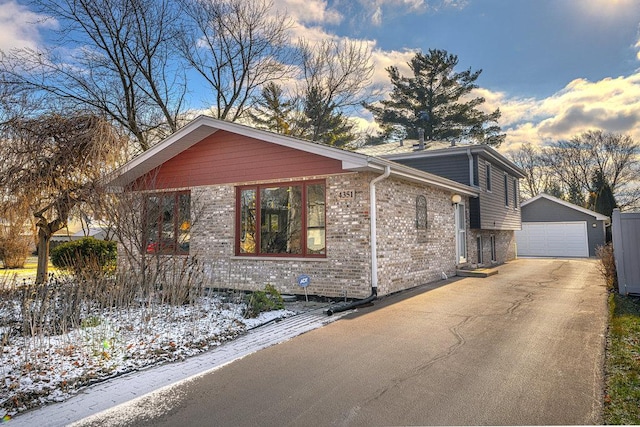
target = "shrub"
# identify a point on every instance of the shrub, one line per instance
(260, 301)
(607, 266)
(86, 253)
(14, 249)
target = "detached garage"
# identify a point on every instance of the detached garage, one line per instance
(556, 228)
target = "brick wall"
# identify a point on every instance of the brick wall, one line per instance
(407, 257)
(505, 242)
(345, 270)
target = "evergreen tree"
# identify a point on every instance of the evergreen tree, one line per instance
(434, 99)
(322, 122)
(554, 190)
(575, 195)
(601, 197)
(271, 111)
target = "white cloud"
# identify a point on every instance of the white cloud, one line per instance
(382, 59)
(610, 104)
(376, 17)
(20, 26)
(309, 11)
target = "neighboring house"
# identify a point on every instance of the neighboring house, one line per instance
(260, 208)
(76, 230)
(556, 228)
(494, 216)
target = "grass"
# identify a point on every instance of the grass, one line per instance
(622, 365)
(27, 272)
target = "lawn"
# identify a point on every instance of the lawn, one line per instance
(27, 272)
(622, 366)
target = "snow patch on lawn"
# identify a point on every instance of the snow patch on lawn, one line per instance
(38, 370)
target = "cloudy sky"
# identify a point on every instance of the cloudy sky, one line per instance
(555, 68)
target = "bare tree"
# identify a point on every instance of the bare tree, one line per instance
(335, 78)
(52, 164)
(536, 179)
(237, 46)
(612, 156)
(112, 56)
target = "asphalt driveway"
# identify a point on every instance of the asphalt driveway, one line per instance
(522, 347)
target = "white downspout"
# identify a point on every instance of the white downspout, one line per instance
(372, 210)
(471, 180)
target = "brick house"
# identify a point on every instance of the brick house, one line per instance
(495, 215)
(271, 208)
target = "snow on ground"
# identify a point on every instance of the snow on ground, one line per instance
(38, 370)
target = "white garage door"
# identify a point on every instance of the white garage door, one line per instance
(554, 239)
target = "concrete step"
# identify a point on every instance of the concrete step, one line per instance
(477, 272)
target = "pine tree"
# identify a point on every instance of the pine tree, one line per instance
(601, 197)
(575, 195)
(271, 111)
(322, 122)
(434, 99)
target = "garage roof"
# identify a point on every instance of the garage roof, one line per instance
(596, 215)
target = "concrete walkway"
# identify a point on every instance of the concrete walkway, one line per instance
(113, 392)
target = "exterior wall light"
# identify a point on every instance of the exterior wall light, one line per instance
(455, 199)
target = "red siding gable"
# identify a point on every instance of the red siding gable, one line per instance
(225, 157)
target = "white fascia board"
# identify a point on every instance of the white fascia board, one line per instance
(204, 126)
(171, 146)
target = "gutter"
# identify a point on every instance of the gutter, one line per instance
(471, 181)
(374, 227)
(374, 247)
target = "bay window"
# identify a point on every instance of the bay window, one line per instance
(285, 219)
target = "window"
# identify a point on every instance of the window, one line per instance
(168, 223)
(479, 249)
(515, 193)
(494, 258)
(488, 175)
(281, 220)
(506, 190)
(421, 213)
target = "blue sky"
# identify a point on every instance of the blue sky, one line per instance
(555, 68)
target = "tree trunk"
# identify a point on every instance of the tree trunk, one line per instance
(43, 256)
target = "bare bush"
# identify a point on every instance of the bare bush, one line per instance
(607, 266)
(14, 249)
(52, 307)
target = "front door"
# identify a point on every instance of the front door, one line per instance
(461, 234)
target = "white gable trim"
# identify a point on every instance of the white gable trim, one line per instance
(204, 126)
(551, 198)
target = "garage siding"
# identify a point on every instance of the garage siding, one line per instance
(544, 210)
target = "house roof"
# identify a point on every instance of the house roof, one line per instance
(204, 126)
(596, 215)
(406, 146)
(409, 149)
